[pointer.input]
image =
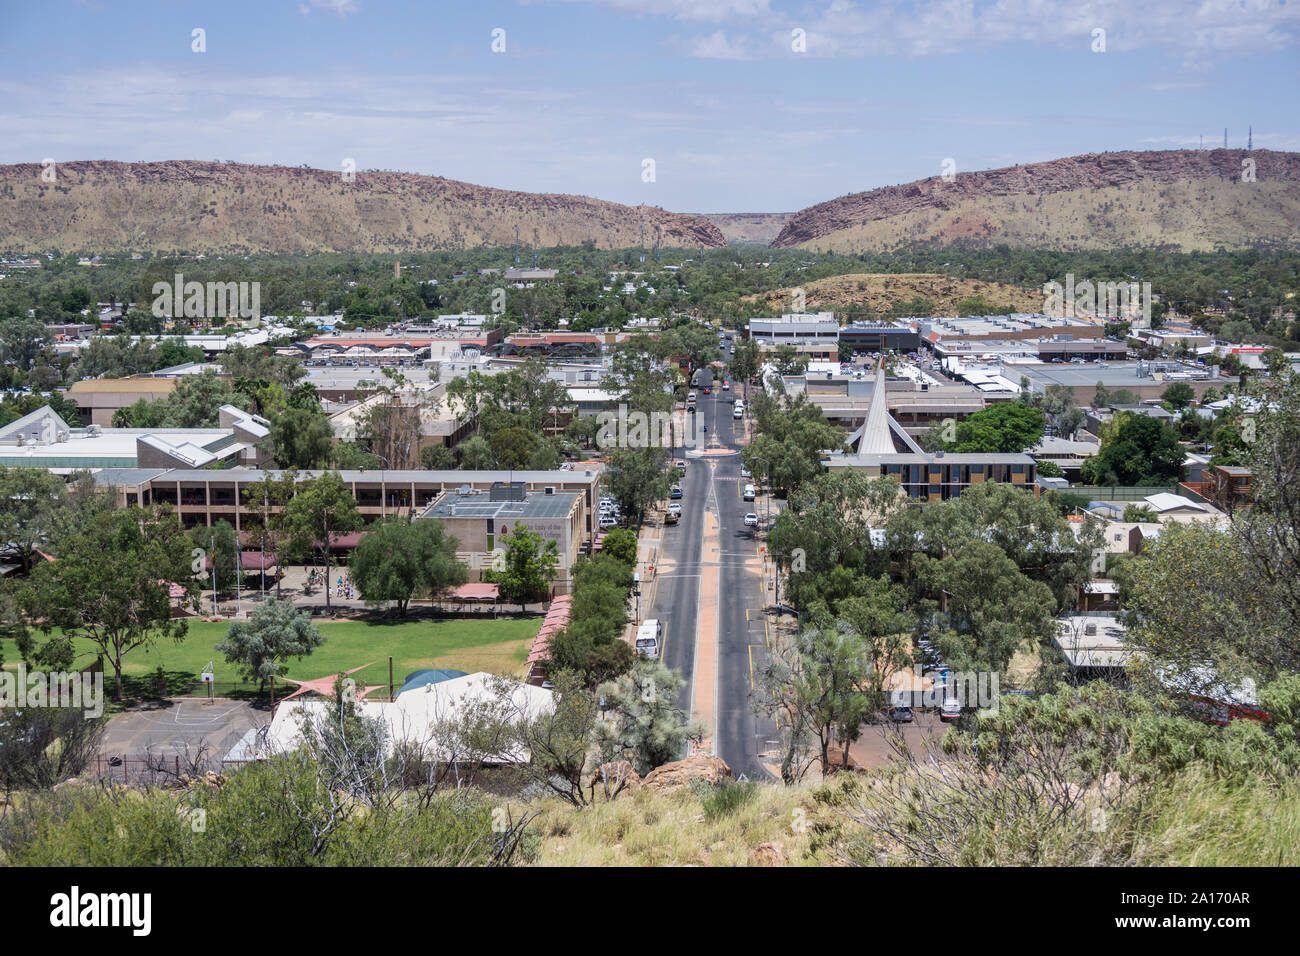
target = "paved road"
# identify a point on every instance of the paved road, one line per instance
(713, 484)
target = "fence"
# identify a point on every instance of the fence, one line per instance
(155, 769)
(1117, 492)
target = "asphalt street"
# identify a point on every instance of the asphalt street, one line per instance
(713, 485)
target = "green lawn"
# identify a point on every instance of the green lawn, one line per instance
(468, 645)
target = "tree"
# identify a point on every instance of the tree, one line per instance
(400, 557)
(1139, 450)
(1005, 428)
(787, 360)
(745, 362)
(23, 339)
(513, 447)
(28, 499)
(648, 728)
(695, 343)
(877, 615)
(793, 438)
(984, 608)
(476, 454)
(197, 399)
(1178, 395)
(620, 543)
(275, 632)
(530, 562)
(637, 480)
(221, 550)
(110, 583)
(269, 497)
(816, 678)
(301, 438)
(1140, 513)
(437, 458)
(318, 514)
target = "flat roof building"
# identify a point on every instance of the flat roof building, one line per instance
(483, 522)
(979, 328)
(42, 439)
(203, 496)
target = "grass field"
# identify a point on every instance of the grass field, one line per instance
(499, 645)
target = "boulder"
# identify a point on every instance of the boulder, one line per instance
(673, 776)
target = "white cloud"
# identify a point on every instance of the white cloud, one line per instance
(341, 7)
(712, 11)
(843, 28)
(717, 46)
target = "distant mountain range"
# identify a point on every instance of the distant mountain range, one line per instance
(195, 206)
(1181, 199)
(1176, 199)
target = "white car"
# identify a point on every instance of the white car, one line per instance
(608, 521)
(751, 520)
(674, 508)
(744, 473)
(749, 492)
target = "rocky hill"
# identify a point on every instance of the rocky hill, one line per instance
(882, 292)
(1185, 199)
(105, 206)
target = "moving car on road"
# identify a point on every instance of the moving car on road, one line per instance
(749, 492)
(751, 520)
(676, 492)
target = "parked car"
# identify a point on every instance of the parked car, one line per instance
(608, 521)
(744, 472)
(676, 492)
(749, 492)
(901, 715)
(751, 520)
(672, 517)
(680, 463)
(674, 508)
(950, 710)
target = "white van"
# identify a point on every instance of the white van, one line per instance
(648, 638)
(749, 492)
(690, 398)
(737, 412)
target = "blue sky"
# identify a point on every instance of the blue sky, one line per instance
(735, 118)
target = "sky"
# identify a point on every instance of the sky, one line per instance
(691, 105)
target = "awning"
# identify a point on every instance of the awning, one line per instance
(476, 592)
(256, 561)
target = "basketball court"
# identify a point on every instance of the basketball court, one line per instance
(181, 726)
